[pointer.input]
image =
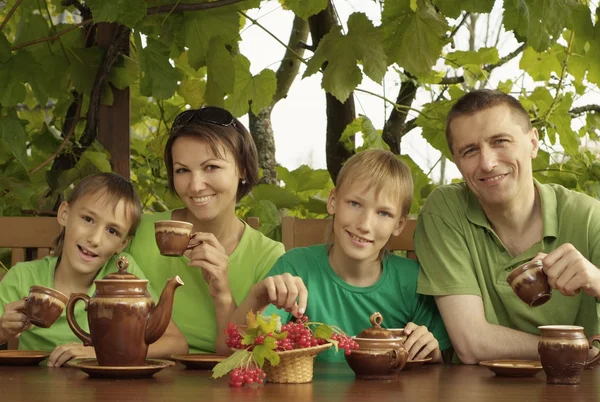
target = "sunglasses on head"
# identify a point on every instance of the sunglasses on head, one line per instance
(209, 114)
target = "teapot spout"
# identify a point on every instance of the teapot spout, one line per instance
(161, 313)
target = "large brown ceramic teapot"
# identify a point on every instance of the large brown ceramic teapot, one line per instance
(122, 317)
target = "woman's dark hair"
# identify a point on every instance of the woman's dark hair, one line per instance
(232, 136)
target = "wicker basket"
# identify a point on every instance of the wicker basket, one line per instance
(295, 366)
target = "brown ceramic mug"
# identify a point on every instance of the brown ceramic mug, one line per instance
(173, 237)
(563, 353)
(44, 306)
(530, 283)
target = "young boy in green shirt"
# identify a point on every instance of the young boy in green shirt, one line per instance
(100, 216)
(353, 276)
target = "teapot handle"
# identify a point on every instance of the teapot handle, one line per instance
(597, 357)
(81, 334)
(398, 359)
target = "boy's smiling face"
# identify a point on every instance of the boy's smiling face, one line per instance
(364, 220)
(94, 232)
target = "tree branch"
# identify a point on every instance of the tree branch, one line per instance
(290, 64)
(487, 68)
(578, 111)
(182, 7)
(55, 36)
(70, 124)
(395, 126)
(10, 13)
(457, 27)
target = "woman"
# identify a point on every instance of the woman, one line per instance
(211, 163)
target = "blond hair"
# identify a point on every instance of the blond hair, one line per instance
(383, 171)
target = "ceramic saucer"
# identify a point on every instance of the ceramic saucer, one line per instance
(91, 367)
(513, 368)
(22, 357)
(411, 364)
(199, 361)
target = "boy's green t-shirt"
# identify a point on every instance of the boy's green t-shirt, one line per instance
(15, 286)
(334, 302)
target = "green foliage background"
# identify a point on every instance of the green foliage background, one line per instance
(193, 58)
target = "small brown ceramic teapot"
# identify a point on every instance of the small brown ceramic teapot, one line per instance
(380, 355)
(122, 317)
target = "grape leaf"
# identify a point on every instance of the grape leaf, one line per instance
(192, 91)
(414, 40)
(125, 73)
(13, 136)
(264, 325)
(371, 136)
(281, 197)
(4, 48)
(220, 72)
(541, 65)
(83, 67)
(453, 8)
(235, 360)
(304, 8)
(485, 55)
(266, 351)
(255, 92)
(433, 122)
(31, 28)
(126, 12)
(251, 320)
(158, 77)
(201, 26)
(343, 52)
(560, 122)
(13, 90)
(323, 331)
(98, 159)
(539, 22)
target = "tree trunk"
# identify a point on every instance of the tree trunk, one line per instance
(339, 114)
(262, 133)
(260, 125)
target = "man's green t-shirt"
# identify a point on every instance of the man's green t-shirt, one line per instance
(193, 307)
(460, 253)
(333, 301)
(15, 286)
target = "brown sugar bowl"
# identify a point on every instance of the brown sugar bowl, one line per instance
(380, 354)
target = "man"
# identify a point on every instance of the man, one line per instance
(470, 236)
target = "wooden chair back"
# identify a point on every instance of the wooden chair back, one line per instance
(296, 232)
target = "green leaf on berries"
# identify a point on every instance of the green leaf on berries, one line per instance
(264, 325)
(280, 336)
(233, 361)
(323, 331)
(266, 351)
(334, 343)
(251, 319)
(248, 338)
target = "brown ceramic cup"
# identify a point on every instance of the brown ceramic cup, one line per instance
(563, 353)
(530, 283)
(173, 237)
(44, 306)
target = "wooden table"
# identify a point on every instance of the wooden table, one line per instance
(332, 382)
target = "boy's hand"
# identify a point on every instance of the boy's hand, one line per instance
(63, 353)
(14, 320)
(421, 343)
(284, 291)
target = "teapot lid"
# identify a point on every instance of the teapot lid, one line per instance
(121, 274)
(376, 331)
